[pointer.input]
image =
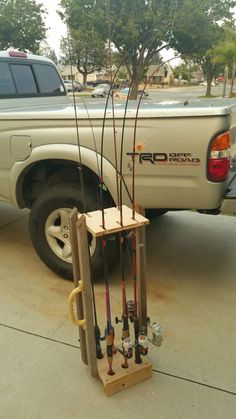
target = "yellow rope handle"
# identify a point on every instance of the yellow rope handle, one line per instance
(71, 297)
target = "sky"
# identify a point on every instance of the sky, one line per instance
(57, 28)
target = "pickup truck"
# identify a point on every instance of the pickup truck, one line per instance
(52, 151)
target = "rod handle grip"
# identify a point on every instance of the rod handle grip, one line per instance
(71, 298)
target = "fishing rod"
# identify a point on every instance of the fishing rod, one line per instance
(109, 331)
(141, 338)
(127, 344)
(110, 94)
(128, 350)
(97, 332)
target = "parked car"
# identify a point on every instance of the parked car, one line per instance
(101, 90)
(73, 86)
(125, 92)
(213, 83)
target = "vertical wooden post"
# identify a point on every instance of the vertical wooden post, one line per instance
(141, 278)
(85, 274)
(76, 276)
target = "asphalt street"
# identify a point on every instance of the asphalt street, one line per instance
(173, 93)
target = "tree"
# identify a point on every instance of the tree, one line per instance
(21, 25)
(84, 54)
(225, 54)
(47, 51)
(135, 28)
(198, 28)
(87, 46)
(140, 29)
(183, 70)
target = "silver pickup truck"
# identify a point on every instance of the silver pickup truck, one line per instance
(52, 154)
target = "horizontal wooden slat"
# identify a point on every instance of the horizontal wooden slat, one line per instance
(115, 220)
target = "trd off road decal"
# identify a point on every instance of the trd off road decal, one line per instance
(166, 158)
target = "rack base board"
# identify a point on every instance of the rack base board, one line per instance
(124, 377)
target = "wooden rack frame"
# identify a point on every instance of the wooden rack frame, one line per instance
(80, 224)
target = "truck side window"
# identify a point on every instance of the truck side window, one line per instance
(24, 79)
(7, 86)
(48, 80)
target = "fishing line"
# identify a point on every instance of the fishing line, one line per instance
(135, 130)
(124, 116)
(145, 35)
(80, 166)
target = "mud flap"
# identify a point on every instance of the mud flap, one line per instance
(229, 203)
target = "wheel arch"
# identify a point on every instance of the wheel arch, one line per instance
(61, 164)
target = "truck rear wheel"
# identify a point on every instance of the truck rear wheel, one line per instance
(49, 229)
(155, 212)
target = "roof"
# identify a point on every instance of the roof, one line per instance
(23, 55)
(155, 70)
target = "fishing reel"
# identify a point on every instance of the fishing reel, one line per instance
(130, 310)
(127, 347)
(157, 334)
(143, 344)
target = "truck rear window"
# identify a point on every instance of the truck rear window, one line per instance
(24, 79)
(29, 79)
(7, 85)
(47, 78)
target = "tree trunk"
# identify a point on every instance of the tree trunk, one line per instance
(208, 68)
(85, 79)
(232, 79)
(225, 81)
(134, 90)
(208, 90)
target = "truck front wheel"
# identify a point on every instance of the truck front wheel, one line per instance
(49, 229)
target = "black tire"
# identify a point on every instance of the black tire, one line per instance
(49, 224)
(155, 212)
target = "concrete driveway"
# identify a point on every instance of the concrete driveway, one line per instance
(191, 291)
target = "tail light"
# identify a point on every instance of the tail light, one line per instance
(219, 158)
(18, 54)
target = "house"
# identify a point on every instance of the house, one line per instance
(71, 73)
(157, 74)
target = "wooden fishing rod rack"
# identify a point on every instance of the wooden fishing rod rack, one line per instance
(80, 225)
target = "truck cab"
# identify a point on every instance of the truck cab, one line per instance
(27, 79)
